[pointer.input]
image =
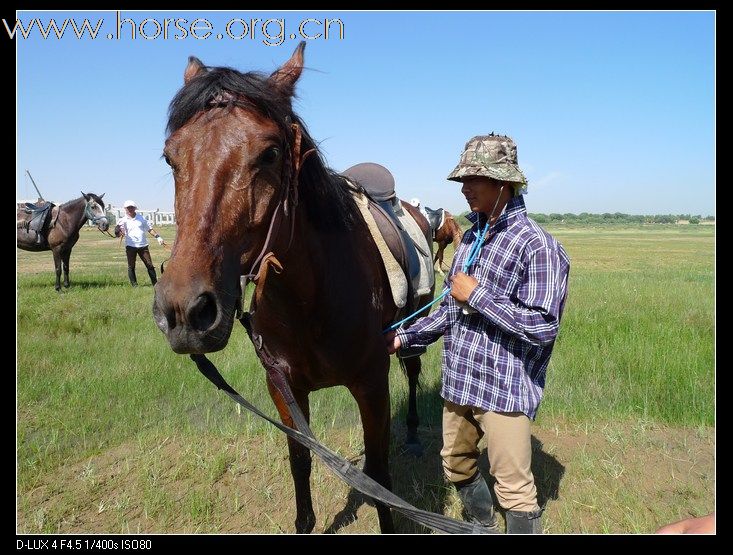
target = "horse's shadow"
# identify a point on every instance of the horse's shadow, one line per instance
(75, 284)
(420, 481)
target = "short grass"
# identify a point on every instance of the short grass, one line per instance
(116, 433)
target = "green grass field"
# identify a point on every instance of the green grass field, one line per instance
(116, 433)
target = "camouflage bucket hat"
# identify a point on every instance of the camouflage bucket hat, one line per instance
(490, 156)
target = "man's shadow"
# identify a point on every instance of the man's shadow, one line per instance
(546, 469)
(420, 480)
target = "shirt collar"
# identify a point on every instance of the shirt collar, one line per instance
(514, 209)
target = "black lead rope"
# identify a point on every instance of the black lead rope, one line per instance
(342, 467)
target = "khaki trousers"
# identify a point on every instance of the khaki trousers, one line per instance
(508, 446)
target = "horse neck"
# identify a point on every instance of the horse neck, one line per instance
(456, 232)
(73, 212)
(314, 258)
(300, 253)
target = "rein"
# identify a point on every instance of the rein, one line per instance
(277, 371)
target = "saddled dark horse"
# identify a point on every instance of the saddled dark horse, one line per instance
(445, 231)
(61, 232)
(249, 180)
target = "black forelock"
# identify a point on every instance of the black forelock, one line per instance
(250, 88)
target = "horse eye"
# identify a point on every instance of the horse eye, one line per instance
(167, 160)
(270, 156)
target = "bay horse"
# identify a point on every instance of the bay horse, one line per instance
(62, 231)
(445, 234)
(249, 179)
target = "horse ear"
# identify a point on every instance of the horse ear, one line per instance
(283, 80)
(194, 68)
(102, 195)
(86, 197)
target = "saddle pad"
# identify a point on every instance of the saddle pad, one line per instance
(397, 279)
(426, 278)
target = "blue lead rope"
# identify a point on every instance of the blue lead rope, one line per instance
(473, 253)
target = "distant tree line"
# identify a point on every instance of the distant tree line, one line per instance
(616, 218)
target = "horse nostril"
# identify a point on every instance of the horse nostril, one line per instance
(202, 312)
(164, 315)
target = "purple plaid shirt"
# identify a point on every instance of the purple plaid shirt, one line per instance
(496, 357)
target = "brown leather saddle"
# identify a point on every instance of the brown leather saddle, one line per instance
(379, 185)
(38, 218)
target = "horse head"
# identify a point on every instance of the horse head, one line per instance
(94, 210)
(234, 148)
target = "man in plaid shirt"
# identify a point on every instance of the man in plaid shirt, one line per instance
(499, 325)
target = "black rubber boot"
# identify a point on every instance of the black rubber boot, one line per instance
(131, 275)
(524, 522)
(478, 504)
(153, 277)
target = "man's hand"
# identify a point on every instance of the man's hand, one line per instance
(160, 240)
(462, 286)
(392, 342)
(701, 525)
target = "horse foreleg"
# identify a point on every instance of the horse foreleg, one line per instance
(300, 461)
(373, 401)
(57, 266)
(65, 256)
(439, 258)
(412, 367)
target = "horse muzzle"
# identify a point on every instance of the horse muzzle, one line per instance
(193, 324)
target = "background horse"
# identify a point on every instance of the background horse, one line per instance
(250, 185)
(445, 234)
(62, 232)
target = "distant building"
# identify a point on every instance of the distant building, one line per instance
(155, 217)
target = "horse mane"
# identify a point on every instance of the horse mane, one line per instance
(329, 205)
(98, 200)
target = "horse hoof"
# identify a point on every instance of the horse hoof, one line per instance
(307, 526)
(414, 448)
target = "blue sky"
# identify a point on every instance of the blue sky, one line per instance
(611, 111)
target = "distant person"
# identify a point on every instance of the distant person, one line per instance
(499, 325)
(699, 525)
(417, 204)
(133, 227)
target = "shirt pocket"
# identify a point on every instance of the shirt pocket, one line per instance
(480, 360)
(500, 279)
